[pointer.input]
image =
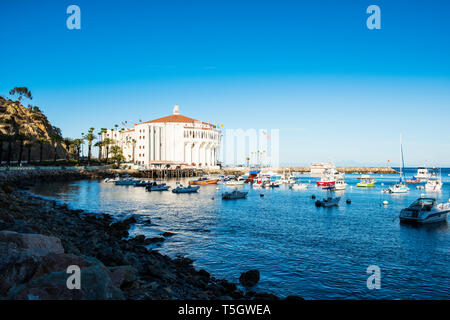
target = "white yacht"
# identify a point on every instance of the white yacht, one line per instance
(422, 174)
(425, 210)
(434, 183)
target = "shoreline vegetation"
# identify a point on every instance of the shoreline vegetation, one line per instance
(40, 238)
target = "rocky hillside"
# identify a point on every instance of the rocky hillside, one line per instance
(28, 121)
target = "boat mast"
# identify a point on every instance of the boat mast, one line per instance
(403, 163)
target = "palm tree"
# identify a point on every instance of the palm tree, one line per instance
(117, 155)
(106, 143)
(21, 138)
(2, 139)
(67, 143)
(99, 145)
(77, 143)
(10, 139)
(41, 141)
(28, 145)
(55, 139)
(89, 138)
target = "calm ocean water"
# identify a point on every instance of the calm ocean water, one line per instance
(299, 249)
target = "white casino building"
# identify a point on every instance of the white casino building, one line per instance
(175, 140)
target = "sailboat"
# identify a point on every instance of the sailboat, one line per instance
(400, 187)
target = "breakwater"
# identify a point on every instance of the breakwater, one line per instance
(40, 238)
(306, 170)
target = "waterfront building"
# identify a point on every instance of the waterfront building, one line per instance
(174, 140)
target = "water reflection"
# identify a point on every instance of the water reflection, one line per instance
(318, 253)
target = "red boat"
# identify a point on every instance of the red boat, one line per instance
(326, 183)
(413, 181)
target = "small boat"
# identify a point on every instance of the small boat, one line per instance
(414, 180)
(328, 202)
(142, 183)
(425, 210)
(188, 189)
(203, 181)
(258, 183)
(112, 180)
(275, 181)
(422, 174)
(234, 195)
(126, 182)
(398, 188)
(299, 186)
(366, 182)
(252, 175)
(153, 186)
(271, 184)
(234, 183)
(324, 181)
(340, 185)
(434, 184)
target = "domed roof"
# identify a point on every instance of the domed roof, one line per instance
(176, 109)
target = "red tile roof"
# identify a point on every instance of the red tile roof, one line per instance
(176, 118)
(173, 118)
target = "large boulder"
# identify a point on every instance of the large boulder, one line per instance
(34, 266)
(96, 284)
(35, 244)
(16, 266)
(249, 278)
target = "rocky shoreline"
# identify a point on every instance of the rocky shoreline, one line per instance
(40, 238)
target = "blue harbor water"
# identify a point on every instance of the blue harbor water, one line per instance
(317, 253)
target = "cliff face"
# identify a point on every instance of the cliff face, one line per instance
(30, 121)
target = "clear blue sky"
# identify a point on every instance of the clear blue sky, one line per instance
(336, 90)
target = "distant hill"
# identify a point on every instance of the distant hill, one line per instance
(28, 121)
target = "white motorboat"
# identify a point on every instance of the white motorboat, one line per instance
(299, 186)
(328, 202)
(422, 174)
(398, 188)
(188, 189)
(425, 210)
(234, 183)
(340, 185)
(434, 184)
(112, 180)
(234, 195)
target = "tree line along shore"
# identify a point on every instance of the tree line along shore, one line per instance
(40, 238)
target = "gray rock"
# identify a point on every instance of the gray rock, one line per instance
(249, 278)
